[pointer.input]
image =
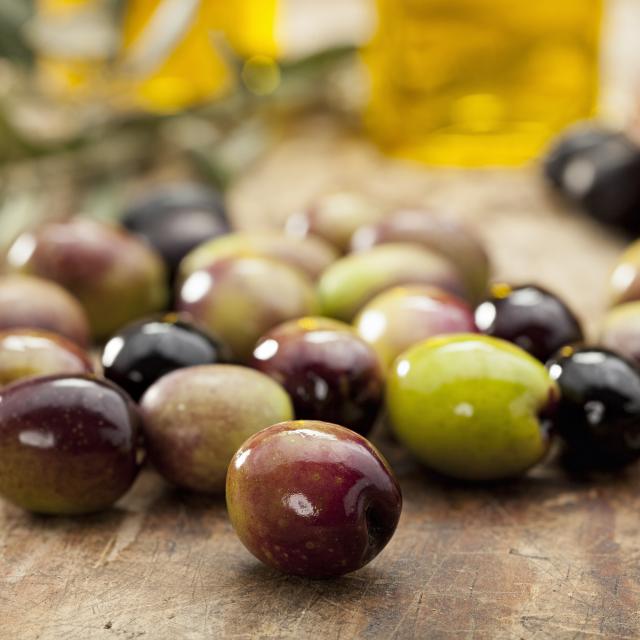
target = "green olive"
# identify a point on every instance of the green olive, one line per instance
(471, 407)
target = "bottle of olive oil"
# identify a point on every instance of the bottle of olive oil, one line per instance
(167, 54)
(481, 82)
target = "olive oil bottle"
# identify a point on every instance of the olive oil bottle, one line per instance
(168, 54)
(480, 82)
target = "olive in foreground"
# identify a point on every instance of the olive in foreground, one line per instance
(330, 373)
(115, 276)
(312, 499)
(144, 351)
(240, 299)
(449, 238)
(26, 301)
(471, 407)
(348, 284)
(311, 255)
(196, 418)
(620, 331)
(68, 444)
(29, 353)
(175, 218)
(403, 316)
(598, 417)
(531, 317)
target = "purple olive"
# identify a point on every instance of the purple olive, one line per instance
(28, 353)
(240, 299)
(115, 276)
(330, 373)
(403, 316)
(36, 303)
(312, 499)
(531, 317)
(68, 444)
(451, 239)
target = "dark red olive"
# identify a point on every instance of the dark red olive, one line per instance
(68, 444)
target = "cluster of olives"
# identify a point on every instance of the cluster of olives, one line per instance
(256, 364)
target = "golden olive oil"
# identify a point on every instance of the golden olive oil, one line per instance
(481, 82)
(170, 54)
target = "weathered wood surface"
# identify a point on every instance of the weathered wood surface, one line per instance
(544, 557)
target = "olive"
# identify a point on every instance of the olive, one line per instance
(68, 444)
(176, 218)
(26, 301)
(531, 317)
(144, 351)
(28, 353)
(330, 373)
(598, 416)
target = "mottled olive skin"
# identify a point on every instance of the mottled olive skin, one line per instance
(451, 239)
(625, 278)
(330, 373)
(116, 277)
(598, 416)
(196, 418)
(28, 353)
(176, 218)
(620, 331)
(310, 255)
(26, 301)
(240, 299)
(144, 351)
(312, 499)
(346, 286)
(335, 217)
(470, 406)
(68, 444)
(403, 316)
(529, 316)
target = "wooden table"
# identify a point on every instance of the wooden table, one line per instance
(544, 557)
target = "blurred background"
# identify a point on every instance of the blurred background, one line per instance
(99, 96)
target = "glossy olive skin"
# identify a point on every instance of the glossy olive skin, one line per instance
(598, 417)
(312, 499)
(330, 373)
(599, 171)
(335, 217)
(115, 276)
(68, 444)
(620, 331)
(240, 299)
(26, 301)
(471, 407)
(309, 254)
(145, 351)
(531, 317)
(449, 238)
(403, 316)
(196, 418)
(625, 277)
(346, 286)
(176, 218)
(28, 353)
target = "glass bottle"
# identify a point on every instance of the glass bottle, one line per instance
(480, 82)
